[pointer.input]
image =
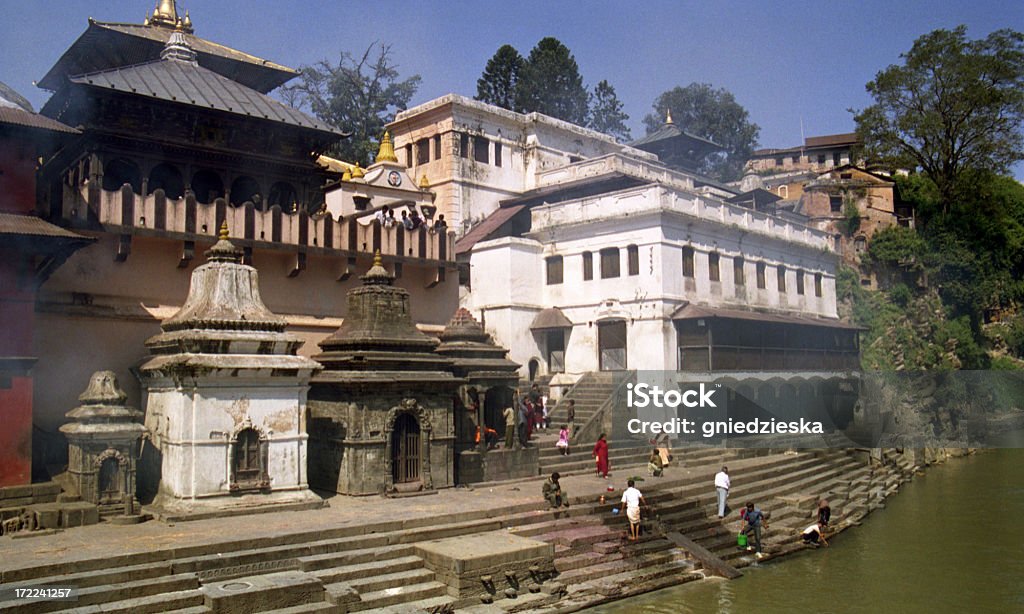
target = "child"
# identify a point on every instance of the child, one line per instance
(563, 440)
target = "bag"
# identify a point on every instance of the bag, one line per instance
(741, 540)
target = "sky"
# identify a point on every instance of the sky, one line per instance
(797, 67)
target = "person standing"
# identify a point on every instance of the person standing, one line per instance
(571, 416)
(753, 520)
(632, 499)
(824, 513)
(510, 426)
(563, 440)
(601, 456)
(722, 485)
(552, 492)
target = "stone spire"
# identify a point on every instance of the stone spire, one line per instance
(103, 404)
(475, 353)
(387, 150)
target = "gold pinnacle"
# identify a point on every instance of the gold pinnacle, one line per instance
(224, 230)
(668, 116)
(377, 261)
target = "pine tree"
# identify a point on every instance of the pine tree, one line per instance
(606, 113)
(498, 83)
(550, 83)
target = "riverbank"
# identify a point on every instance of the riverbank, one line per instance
(363, 553)
(935, 547)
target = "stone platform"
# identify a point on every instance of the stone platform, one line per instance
(491, 562)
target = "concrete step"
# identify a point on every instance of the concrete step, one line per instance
(163, 602)
(330, 560)
(399, 594)
(109, 593)
(382, 582)
(308, 608)
(351, 572)
(419, 606)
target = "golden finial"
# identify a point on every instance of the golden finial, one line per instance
(387, 150)
(668, 116)
(424, 184)
(347, 175)
(357, 172)
(377, 260)
(224, 230)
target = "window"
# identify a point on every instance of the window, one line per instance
(480, 145)
(633, 259)
(497, 153)
(713, 273)
(761, 285)
(821, 158)
(463, 145)
(835, 203)
(799, 282)
(817, 284)
(781, 279)
(846, 175)
(687, 261)
(609, 262)
(860, 244)
(796, 159)
(783, 191)
(780, 161)
(422, 151)
(836, 158)
(554, 270)
(737, 271)
(437, 147)
(588, 266)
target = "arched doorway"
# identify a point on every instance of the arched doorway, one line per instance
(246, 464)
(283, 195)
(405, 450)
(110, 481)
(167, 177)
(245, 189)
(207, 186)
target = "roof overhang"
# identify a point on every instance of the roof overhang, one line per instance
(551, 318)
(690, 311)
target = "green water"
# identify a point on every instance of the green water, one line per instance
(951, 540)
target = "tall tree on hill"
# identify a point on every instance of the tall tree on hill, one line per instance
(714, 115)
(357, 95)
(497, 85)
(550, 83)
(955, 106)
(606, 114)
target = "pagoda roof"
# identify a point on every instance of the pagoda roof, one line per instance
(106, 45)
(192, 84)
(16, 111)
(671, 143)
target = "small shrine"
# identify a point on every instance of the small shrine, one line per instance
(226, 396)
(381, 417)
(103, 445)
(490, 381)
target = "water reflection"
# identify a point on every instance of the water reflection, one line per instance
(948, 542)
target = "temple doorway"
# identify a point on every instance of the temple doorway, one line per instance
(110, 481)
(247, 458)
(405, 450)
(611, 345)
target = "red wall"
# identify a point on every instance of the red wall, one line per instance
(16, 434)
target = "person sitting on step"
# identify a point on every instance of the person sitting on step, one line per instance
(552, 492)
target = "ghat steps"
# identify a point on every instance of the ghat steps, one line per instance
(372, 567)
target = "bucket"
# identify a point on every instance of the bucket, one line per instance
(741, 540)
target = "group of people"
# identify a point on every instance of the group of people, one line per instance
(410, 220)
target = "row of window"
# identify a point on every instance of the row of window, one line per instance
(476, 147)
(836, 159)
(610, 264)
(739, 276)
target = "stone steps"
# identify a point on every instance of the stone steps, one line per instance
(111, 593)
(353, 572)
(398, 594)
(191, 599)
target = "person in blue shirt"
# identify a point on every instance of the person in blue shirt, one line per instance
(753, 520)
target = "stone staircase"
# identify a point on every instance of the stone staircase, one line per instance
(376, 566)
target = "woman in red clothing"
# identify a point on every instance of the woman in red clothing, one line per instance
(601, 456)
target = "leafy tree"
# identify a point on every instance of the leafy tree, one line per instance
(714, 115)
(954, 105)
(357, 95)
(606, 113)
(498, 83)
(550, 83)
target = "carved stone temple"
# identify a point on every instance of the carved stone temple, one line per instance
(103, 445)
(226, 396)
(381, 417)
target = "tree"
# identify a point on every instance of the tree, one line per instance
(550, 83)
(954, 106)
(714, 115)
(498, 83)
(606, 113)
(356, 95)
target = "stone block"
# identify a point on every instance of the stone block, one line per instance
(342, 594)
(14, 492)
(263, 593)
(47, 515)
(465, 562)
(46, 489)
(78, 514)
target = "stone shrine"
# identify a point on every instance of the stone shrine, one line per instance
(381, 411)
(103, 445)
(226, 396)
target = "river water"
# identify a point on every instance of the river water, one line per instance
(951, 540)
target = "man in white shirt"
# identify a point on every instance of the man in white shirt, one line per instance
(632, 499)
(722, 485)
